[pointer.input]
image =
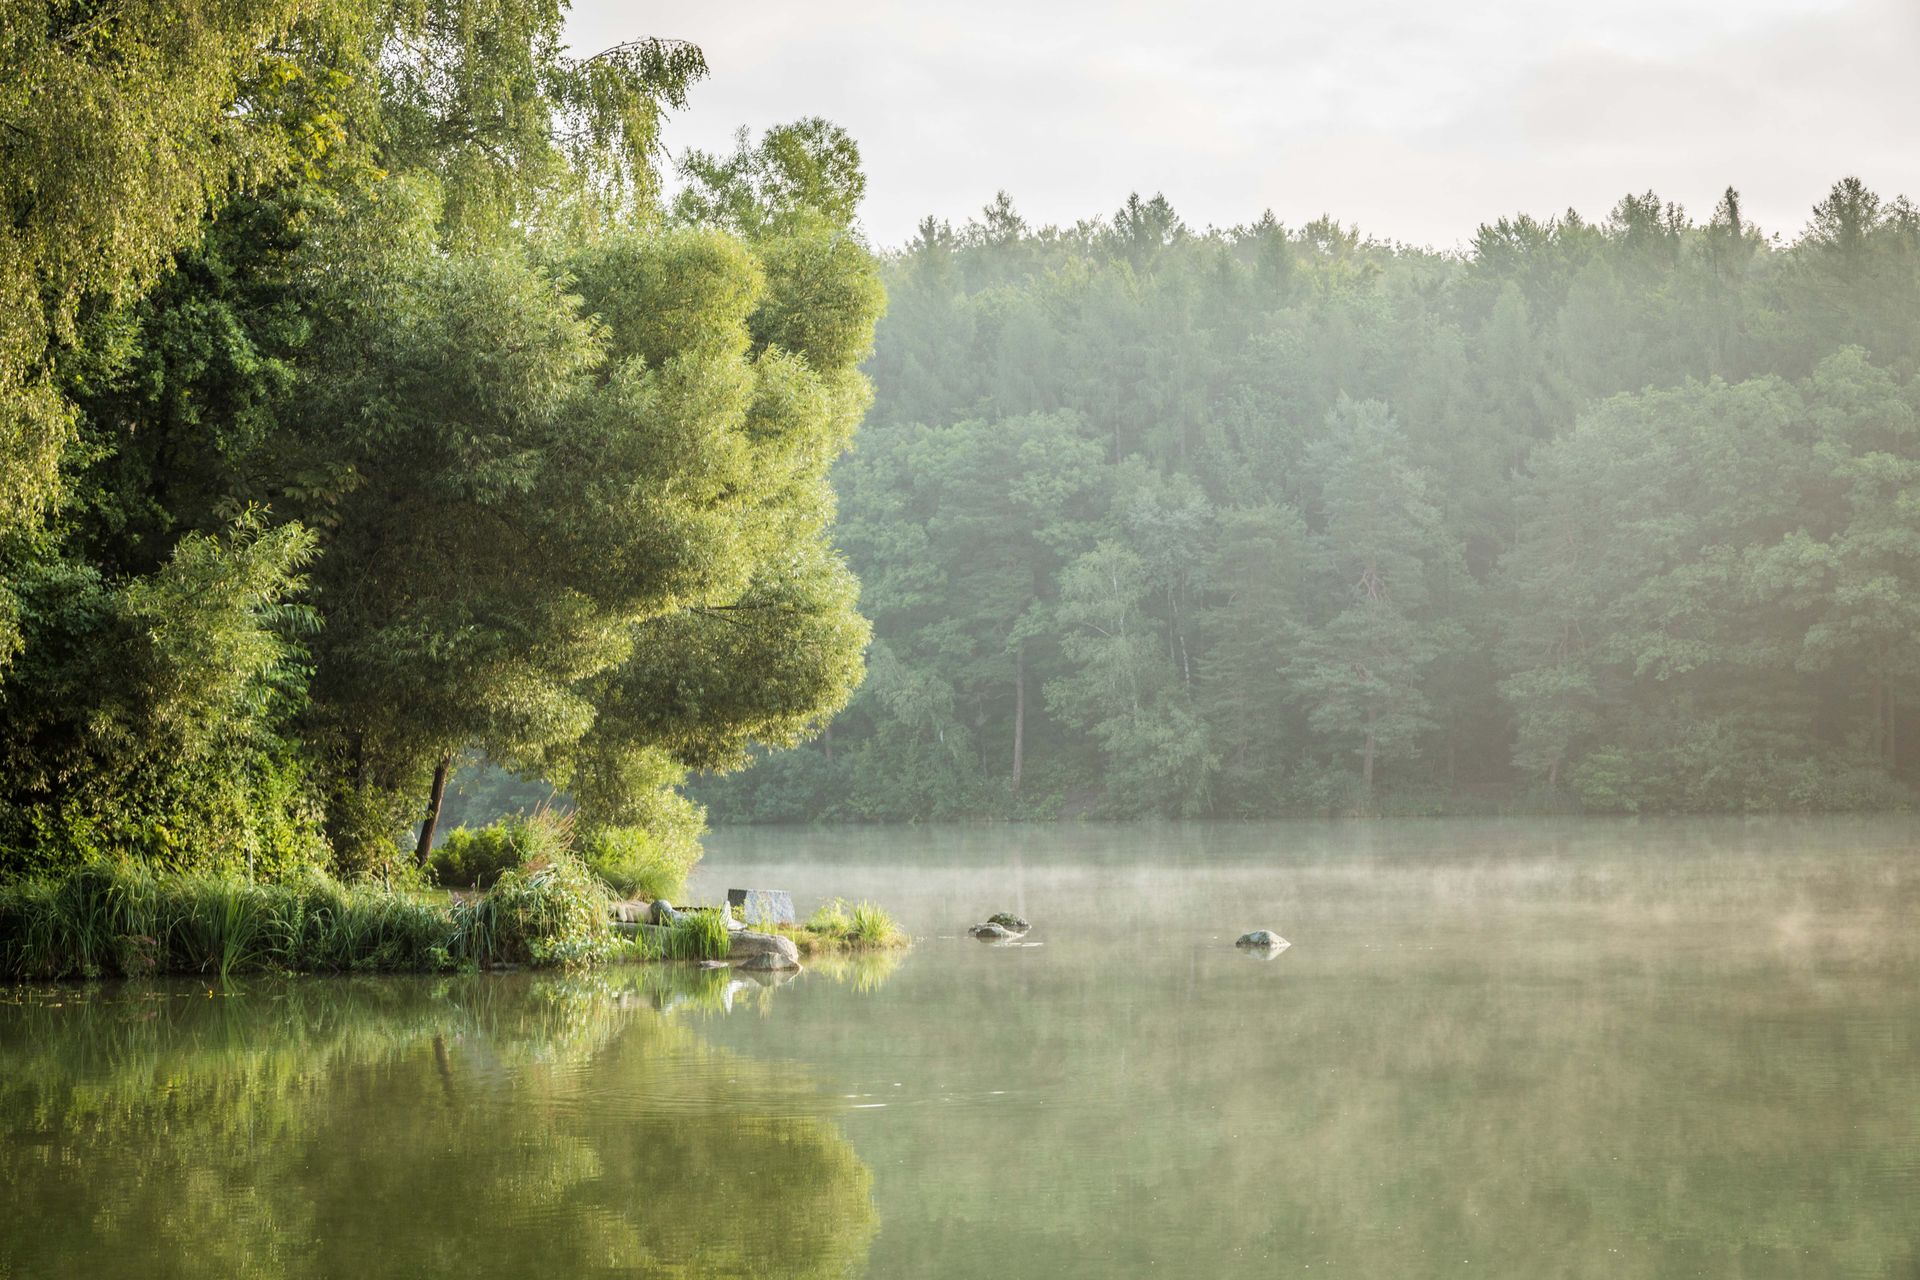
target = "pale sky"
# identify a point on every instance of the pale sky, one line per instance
(1416, 119)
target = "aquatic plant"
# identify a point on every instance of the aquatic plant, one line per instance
(698, 935)
(839, 924)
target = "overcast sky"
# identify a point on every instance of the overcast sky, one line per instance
(1416, 119)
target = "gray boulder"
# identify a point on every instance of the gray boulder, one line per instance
(763, 906)
(749, 945)
(663, 912)
(770, 961)
(1262, 939)
(991, 932)
(1008, 921)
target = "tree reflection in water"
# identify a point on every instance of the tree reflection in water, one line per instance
(475, 1126)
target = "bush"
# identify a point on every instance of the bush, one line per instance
(552, 911)
(474, 858)
(636, 863)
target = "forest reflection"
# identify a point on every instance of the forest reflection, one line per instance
(477, 1126)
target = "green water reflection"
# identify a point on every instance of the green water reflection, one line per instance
(485, 1126)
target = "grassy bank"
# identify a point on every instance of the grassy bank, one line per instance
(121, 920)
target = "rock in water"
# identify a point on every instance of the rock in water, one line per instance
(749, 945)
(991, 932)
(1266, 939)
(763, 906)
(769, 961)
(1008, 921)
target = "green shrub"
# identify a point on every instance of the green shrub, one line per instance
(474, 858)
(552, 911)
(637, 863)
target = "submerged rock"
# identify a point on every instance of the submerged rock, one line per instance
(750, 946)
(1262, 939)
(991, 932)
(1011, 923)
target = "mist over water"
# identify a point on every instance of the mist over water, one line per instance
(1496, 1048)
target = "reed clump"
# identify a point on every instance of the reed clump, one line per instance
(122, 920)
(840, 925)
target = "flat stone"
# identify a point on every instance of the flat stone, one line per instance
(631, 912)
(991, 932)
(763, 906)
(1264, 938)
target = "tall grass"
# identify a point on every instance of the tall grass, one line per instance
(698, 935)
(121, 920)
(851, 926)
(636, 863)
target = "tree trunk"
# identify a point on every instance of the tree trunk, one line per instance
(425, 848)
(826, 740)
(1019, 711)
(1366, 763)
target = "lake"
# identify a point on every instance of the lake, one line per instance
(1496, 1048)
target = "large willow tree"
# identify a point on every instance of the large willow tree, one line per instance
(441, 432)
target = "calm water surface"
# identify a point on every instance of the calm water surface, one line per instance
(1512, 1049)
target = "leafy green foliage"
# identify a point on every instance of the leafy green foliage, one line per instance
(400, 424)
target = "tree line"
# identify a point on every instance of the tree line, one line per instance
(366, 399)
(1617, 516)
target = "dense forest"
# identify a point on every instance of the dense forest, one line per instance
(378, 399)
(1617, 516)
(365, 399)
